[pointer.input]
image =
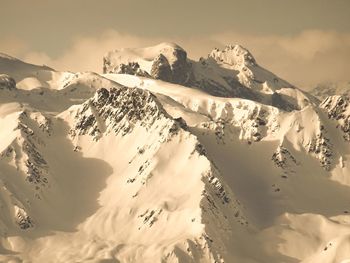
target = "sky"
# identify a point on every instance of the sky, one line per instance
(303, 41)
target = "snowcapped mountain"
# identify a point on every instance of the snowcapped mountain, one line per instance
(324, 90)
(232, 72)
(166, 159)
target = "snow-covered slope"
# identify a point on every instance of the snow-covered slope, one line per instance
(152, 165)
(163, 179)
(29, 76)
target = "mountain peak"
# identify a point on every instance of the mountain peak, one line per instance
(171, 45)
(235, 55)
(167, 61)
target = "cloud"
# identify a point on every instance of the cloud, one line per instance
(13, 46)
(86, 53)
(305, 59)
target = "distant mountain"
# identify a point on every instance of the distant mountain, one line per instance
(166, 159)
(324, 90)
(232, 72)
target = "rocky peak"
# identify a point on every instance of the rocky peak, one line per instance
(118, 110)
(181, 68)
(161, 68)
(234, 55)
(165, 61)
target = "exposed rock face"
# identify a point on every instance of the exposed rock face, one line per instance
(120, 107)
(22, 218)
(174, 67)
(27, 145)
(322, 148)
(181, 68)
(7, 83)
(338, 108)
(161, 69)
(283, 158)
(132, 68)
(166, 62)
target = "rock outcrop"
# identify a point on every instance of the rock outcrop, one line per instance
(338, 109)
(166, 62)
(7, 83)
(131, 68)
(161, 69)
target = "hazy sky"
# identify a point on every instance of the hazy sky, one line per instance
(304, 41)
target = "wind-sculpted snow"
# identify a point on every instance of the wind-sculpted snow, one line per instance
(73, 90)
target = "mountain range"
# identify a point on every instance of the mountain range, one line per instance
(161, 158)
